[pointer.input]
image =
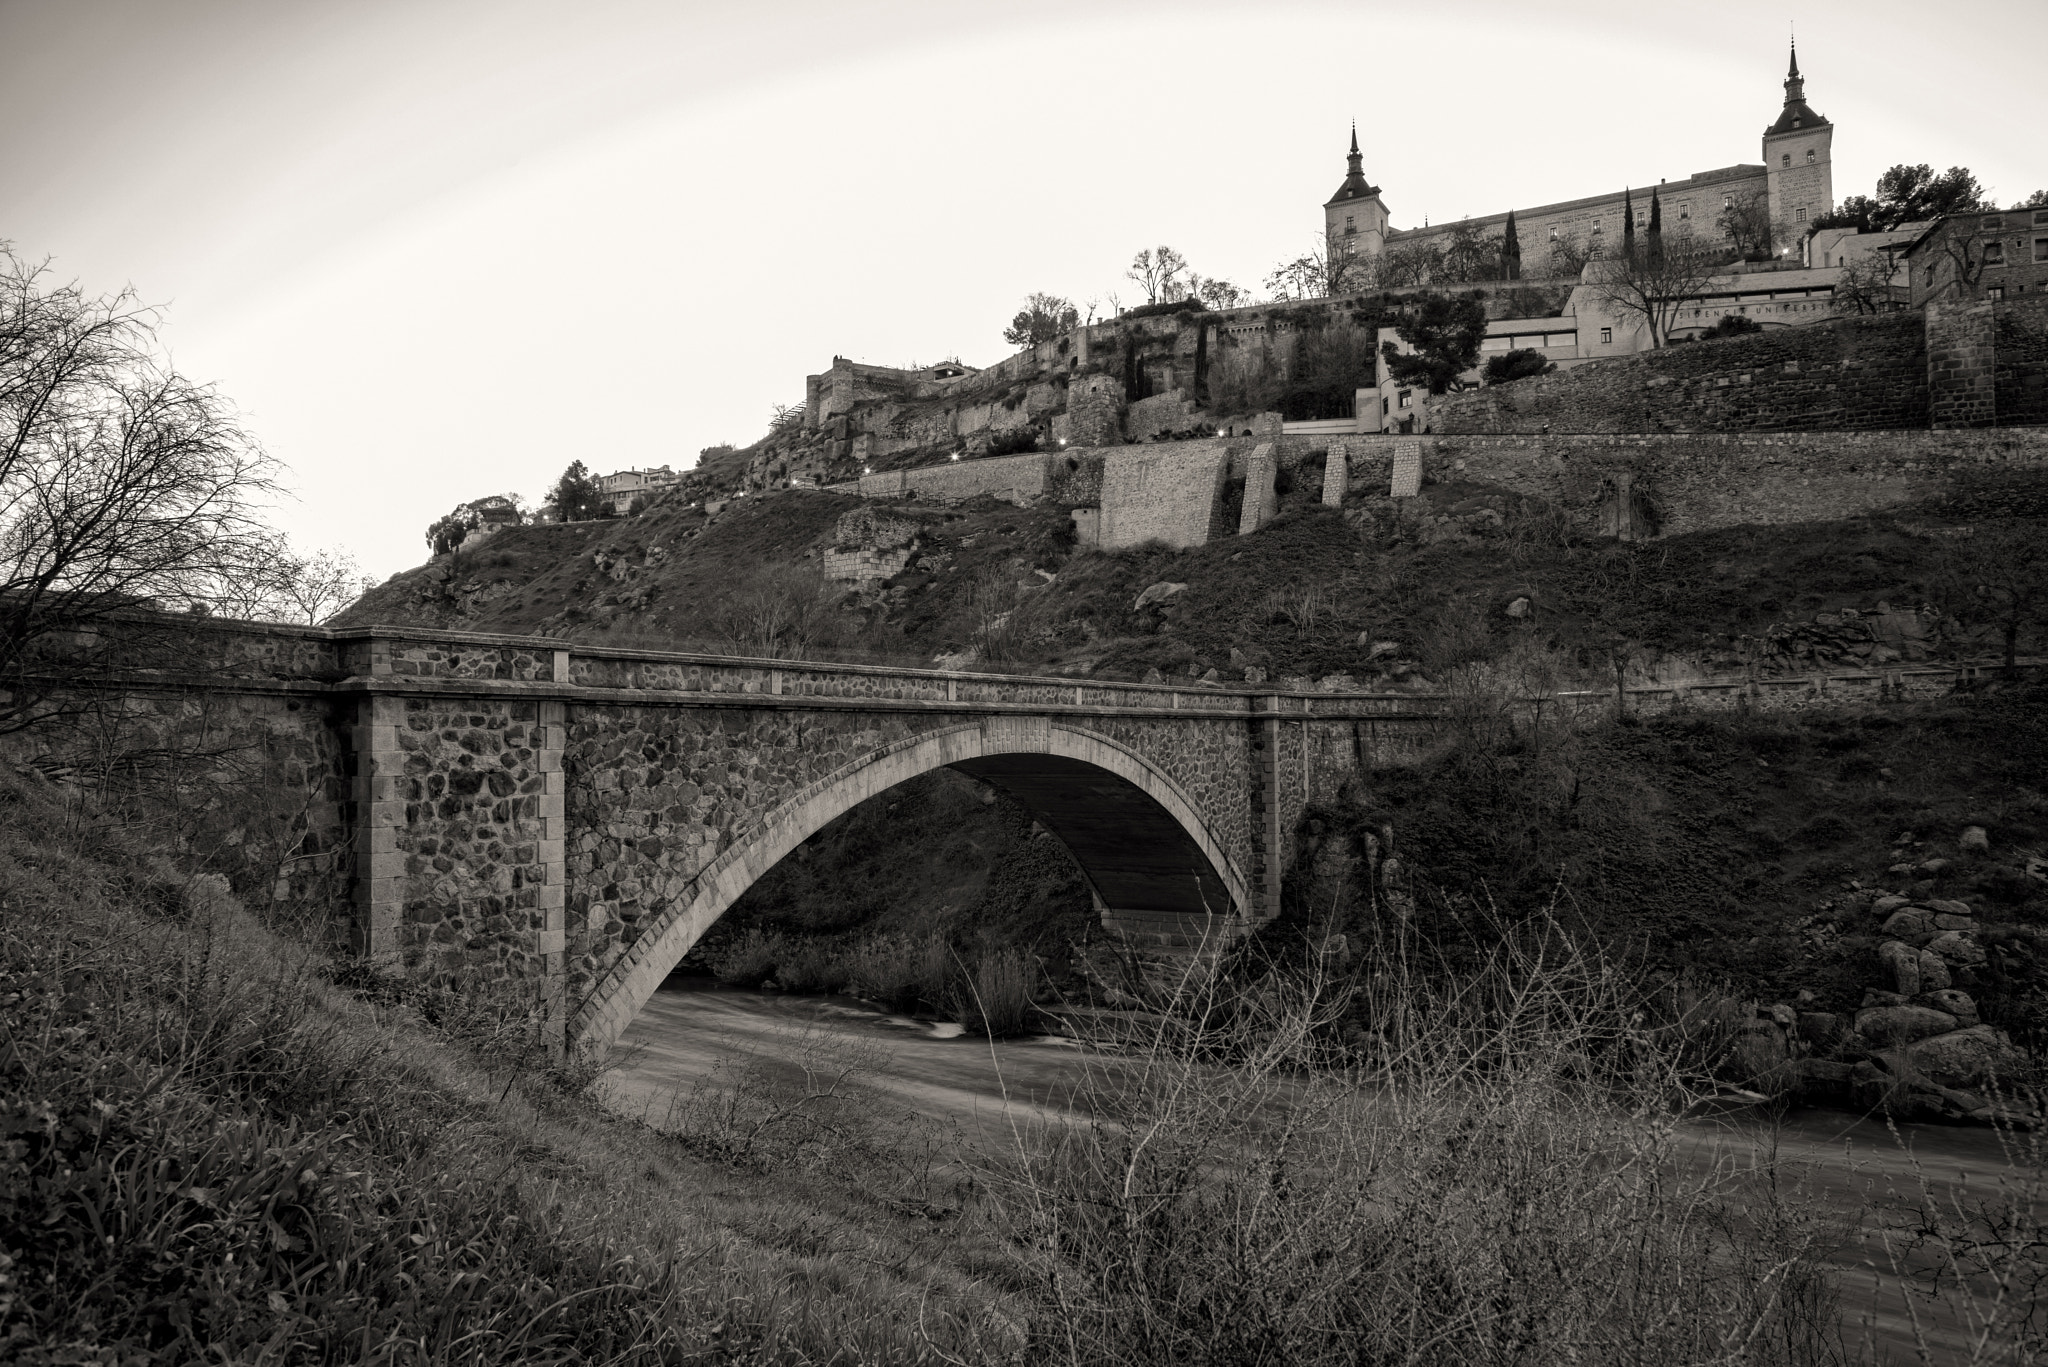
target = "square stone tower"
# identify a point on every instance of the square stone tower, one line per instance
(1797, 157)
(1355, 219)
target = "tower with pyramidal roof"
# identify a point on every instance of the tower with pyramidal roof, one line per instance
(1797, 152)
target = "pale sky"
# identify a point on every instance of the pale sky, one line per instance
(440, 248)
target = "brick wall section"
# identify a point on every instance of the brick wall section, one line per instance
(1962, 363)
(2022, 370)
(1850, 374)
(1699, 481)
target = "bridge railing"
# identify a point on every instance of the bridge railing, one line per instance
(215, 653)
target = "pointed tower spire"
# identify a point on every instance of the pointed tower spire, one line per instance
(1796, 113)
(1355, 185)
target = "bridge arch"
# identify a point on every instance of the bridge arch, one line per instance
(1142, 843)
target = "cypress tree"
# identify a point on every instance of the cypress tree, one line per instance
(1628, 222)
(1510, 251)
(1656, 227)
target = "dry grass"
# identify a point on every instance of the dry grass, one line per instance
(212, 1152)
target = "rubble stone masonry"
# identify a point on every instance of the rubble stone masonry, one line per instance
(570, 834)
(1852, 374)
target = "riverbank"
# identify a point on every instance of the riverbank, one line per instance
(1876, 1189)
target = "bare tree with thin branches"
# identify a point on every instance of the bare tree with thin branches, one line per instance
(123, 484)
(1653, 280)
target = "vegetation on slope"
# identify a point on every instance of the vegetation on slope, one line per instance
(210, 1150)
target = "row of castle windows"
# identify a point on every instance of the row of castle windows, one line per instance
(1785, 159)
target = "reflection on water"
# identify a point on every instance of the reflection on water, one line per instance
(1850, 1169)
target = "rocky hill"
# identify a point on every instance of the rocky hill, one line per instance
(1762, 853)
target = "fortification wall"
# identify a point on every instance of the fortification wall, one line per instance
(1851, 374)
(1013, 478)
(2021, 376)
(1697, 481)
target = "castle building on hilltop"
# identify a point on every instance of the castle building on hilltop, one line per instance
(1793, 185)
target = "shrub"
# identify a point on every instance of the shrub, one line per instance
(996, 999)
(1516, 365)
(1014, 442)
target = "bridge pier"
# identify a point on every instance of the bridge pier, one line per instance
(564, 821)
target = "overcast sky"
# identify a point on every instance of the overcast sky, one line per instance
(440, 248)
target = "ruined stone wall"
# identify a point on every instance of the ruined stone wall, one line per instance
(1698, 481)
(1962, 364)
(2021, 344)
(1167, 491)
(1015, 478)
(1847, 374)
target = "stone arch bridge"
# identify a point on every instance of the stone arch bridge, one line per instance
(575, 817)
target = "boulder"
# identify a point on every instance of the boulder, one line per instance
(1877, 996)
(1958, 1004)
(1883, 1025)
(1902, 961)
(1519, 608)
(1957, 947)
(1974, 838)
(1933, 866)
(1824, 1070)
(1157, 593)
(1934, 976)
(1945, 921)
(1821, 1029)
(1908, 921)
(1948, 906)
(1885, 906)
(1965, 1058)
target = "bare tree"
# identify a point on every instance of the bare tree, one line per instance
(1867, 280)
(1569, 255)
(311, 588)
(1746, 220)
(122, 483)
(1653, 280)
(1995, 578)
(784, 612)
(1157, 271)
(1322, 271)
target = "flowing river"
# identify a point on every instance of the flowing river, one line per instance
(695, 1030)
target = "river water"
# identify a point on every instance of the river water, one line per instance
(692, 1029)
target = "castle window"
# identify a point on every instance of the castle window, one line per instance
(1607, 334)
(1994, 253)
(1786, 159)
(2041, 249)
(1996, 291)
(1801, 215)
(1596, 227)
(1553, 232)
(2041, 218)
(1809, 156)
(1684, 210)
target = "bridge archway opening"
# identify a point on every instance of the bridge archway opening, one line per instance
(1141, 844)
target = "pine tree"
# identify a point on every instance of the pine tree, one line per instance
(1510, 251)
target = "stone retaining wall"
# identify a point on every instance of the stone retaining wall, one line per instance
(1850, 374)
(1695, 482)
